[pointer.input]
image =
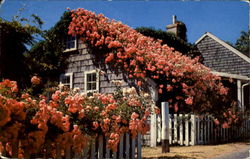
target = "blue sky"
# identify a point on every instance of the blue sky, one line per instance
(225, 19)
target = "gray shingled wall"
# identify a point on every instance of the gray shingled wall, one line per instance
(83, 61)
(221, 59)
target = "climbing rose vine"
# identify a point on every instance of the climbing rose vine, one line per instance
(142, 57)
(69, 118)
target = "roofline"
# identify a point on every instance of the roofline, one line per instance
(235, 76)
(244, 57)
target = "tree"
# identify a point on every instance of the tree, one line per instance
(243, 42)
(46, 57)
(16, 36)
(171, 40)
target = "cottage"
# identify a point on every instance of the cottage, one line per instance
(227, 62)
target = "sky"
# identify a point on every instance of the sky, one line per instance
(224, 19)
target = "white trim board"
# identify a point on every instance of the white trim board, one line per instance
(223, 74)
(244, 57)
(70, 75)
(97, 81)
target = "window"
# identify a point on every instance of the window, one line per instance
(67, 80)
(91, 82)
(70, 43)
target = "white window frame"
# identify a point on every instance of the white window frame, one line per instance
(73, 48)
(97, 81)
(70, 79)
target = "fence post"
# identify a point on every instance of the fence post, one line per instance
(153, 127)
(165, 127)
(193, 130)
(153, 130)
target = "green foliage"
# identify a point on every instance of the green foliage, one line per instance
(182, 30)
(16, 36)
(171, 40)
(46, 57)
(242, 43)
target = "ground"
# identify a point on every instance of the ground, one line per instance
(194, 152)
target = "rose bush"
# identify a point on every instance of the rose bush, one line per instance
(69, 118)
(182, 81)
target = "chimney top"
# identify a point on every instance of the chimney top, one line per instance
(174, 19)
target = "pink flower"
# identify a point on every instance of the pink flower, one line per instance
(225, 125)
(189, 101)
(216, 122)
(95, 125)
(169, 88)
(139, 83)
(134, 115)
(35, 80)
(106, 121)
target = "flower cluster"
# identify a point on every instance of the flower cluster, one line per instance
(140, 56)
(68, 119)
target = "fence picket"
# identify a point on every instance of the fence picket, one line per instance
(186, 130)
(58, 151)
(205, 130)
(121, 146)
(170, 129)
(107, 154)
(208, 129)
(175, 128)
(139, 146)
(100, 147)
(68, 151)
(201, 131)
(193, 130)
(133, 148)
(198, 130)
(181, 129)
(127, 146)
(114, 155)
(92, 151)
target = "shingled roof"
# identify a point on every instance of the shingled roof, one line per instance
(222, 58)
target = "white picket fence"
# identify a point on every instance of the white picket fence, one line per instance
(128, 148)
(194, 130)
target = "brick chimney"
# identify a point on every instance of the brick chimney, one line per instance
(178, 28)
(172, 28)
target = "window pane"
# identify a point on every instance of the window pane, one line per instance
(69, 42)
(88, 77)
(94, 77)
(89, 86)
(65, 79)
(93, 86)
(91, 81)
(72, 44)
